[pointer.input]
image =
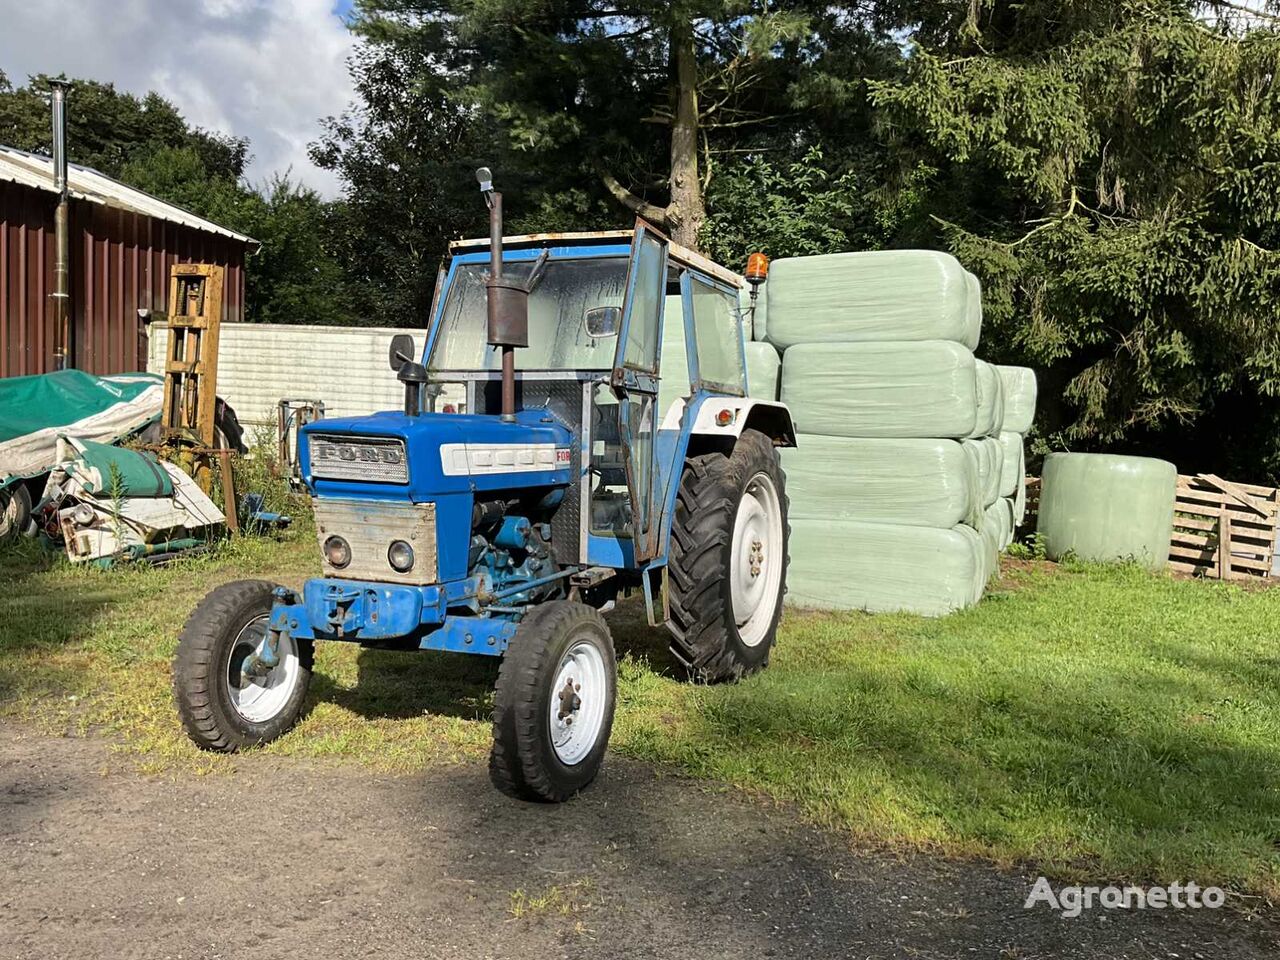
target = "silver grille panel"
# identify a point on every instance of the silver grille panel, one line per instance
(376, 459)
(369, 526)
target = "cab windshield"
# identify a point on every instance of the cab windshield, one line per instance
(558, 338)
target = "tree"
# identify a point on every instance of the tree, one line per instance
(806, 206)
(629, 102)
(108, 129)
(1112, 172)
(294, 277)
(406, 153)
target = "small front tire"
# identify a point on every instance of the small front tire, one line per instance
(553, 705)
(221, 709)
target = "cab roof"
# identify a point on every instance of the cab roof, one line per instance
(682, 255)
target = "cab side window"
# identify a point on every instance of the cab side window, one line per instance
(719, 339)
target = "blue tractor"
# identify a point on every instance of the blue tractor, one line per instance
(507, 530)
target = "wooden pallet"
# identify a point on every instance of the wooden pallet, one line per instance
(1221, 529)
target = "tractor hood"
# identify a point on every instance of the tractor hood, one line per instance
(396, 457)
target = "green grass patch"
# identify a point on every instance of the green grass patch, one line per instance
(1100, 722)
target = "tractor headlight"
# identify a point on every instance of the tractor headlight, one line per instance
(400, 556)
(337, 552)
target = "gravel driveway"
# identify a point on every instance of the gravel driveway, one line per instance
(293, 859)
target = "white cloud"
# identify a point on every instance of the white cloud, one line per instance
(264, 69)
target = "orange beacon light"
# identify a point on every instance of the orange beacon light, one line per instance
(756, 274)
(757, 269)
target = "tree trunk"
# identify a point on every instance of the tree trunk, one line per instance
(687, 211)
(683, 217)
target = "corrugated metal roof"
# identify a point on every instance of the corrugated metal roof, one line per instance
(85, 183)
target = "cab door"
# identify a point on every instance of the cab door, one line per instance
(634, 380)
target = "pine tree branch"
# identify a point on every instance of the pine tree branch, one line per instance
(746, 123)
(1260, 249)
(640, 207)
(1245, 8)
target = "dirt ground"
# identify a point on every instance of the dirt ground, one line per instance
(290, 859)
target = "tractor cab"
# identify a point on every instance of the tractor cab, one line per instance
(598, 307)
(570, 478)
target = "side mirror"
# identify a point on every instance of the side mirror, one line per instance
(603, 321)
(401, 351)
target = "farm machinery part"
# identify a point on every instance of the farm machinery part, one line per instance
(508, 531)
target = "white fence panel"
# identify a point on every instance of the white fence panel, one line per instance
(259, 364)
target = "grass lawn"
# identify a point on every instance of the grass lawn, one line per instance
(1099, 722)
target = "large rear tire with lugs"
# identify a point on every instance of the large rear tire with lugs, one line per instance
(553, 704)
(728, 563)
(221, 708)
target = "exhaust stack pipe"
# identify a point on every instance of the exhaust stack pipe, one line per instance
(61, 230)
(508, 300)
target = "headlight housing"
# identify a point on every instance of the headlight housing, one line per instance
(400, 556)
(337, 552)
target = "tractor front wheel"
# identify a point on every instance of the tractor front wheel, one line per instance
(553, 705)
(728, 565)
(221, 707)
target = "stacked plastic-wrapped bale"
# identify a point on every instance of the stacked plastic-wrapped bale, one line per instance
(895, 483)
(763, 362)
(1019, 412)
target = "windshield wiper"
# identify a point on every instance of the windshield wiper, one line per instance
(538, 271)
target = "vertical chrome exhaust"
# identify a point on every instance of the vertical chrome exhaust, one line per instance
(61, 230)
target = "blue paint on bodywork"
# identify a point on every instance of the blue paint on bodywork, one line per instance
(424, 435)
(492, 589)
(454, 495)
(364, 612)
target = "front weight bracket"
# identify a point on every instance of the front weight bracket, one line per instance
(266, 656)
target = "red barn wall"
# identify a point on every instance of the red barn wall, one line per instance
(119, 263)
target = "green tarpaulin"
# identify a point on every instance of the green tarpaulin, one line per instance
(106, 471)
(997, 531)
(988, 460)
(35, 410)
(763, 368)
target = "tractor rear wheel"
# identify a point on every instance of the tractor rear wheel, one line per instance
(553, 705)
(221, 708)
(728, 562)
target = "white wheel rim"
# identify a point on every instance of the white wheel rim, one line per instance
(579, 696)
(755, 567)
(260, 699)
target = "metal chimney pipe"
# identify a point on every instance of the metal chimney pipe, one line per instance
(495, 308)
(508, 300)
(61, 230)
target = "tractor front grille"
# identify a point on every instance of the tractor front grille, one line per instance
(372, 459)
(370, 527)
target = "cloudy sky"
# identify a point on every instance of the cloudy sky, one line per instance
(265, 69)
